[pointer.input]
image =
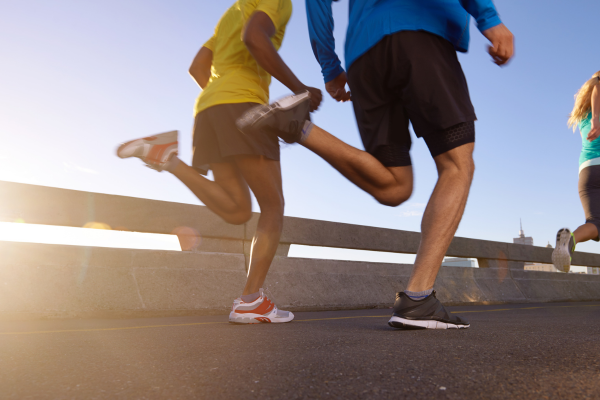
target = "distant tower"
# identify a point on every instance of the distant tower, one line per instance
(522, 239)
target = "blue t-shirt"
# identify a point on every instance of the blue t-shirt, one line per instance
(589, 150)
(371, 20)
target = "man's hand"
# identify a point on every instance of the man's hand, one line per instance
(315, 97)
(337, 88)
(503, 47)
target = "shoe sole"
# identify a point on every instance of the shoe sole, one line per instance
(245, 319)
(122, 147)
(162, 142)
(561, 257)
(257, 115)
(401, 323)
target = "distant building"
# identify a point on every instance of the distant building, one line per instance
(522, 239)
(540, 267)
(593, 270)
(459, 262)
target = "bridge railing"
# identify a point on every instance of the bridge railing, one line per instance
(53, 206)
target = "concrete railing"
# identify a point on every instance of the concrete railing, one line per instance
(45, 280)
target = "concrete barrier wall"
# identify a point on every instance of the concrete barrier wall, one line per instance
(53, 281)
(76, 208)
(39, 280)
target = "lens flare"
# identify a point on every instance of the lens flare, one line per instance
(97, 225)
(189, 238)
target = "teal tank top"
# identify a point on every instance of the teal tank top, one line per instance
(589, 150)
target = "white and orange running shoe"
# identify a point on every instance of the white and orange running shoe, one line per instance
(261, 310)
(155, 151)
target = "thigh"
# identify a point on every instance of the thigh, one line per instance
(589, 193)
(263, 175)
(434, 91)
(230, 179)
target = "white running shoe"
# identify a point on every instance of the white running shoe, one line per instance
(155, 151)
(285, 117)
(563, 252)
(261, 310)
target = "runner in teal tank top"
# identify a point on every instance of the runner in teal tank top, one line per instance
(586, 115)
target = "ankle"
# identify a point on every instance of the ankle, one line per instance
(418, 295)
(172, 164)
(249, 298)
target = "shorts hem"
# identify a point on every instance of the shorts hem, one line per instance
(597, 225)
(438, 147)
(204, 166)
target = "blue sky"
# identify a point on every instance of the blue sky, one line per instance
(77, 78)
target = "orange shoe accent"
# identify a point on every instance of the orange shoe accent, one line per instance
(156, 152)
(264, 308)
(263, 319)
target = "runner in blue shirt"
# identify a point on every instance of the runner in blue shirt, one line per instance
(402, 67)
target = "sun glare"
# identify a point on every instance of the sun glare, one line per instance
(99, 237)
(330, 253)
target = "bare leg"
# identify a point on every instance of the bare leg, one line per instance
(227, 196)
(390, 186)
(443, 214)
(264, 178)
(585, 232)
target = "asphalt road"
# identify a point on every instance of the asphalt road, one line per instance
(528, 351)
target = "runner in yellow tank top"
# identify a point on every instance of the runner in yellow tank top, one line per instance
(234, 70)
(236, 77)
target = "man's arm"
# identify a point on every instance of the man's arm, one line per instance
(320, 30)
(595, 131)
(257, 37)
(201, 66)
(488, 22)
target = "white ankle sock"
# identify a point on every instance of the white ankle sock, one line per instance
(306, 130)
(249, 298)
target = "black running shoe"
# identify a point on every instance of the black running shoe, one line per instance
(285, 118)
(427, 313)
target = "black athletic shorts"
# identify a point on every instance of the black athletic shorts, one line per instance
(589, 194)
(411, 76)
(217, 138)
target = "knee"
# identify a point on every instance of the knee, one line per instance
(238, 218)
(395, 197)
(272, 212)
(468, 169)
(463, 169)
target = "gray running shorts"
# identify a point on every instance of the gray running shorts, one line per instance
(217, 138)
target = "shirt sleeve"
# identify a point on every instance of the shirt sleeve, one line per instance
(210, 44)
(483, 11)
(320, 31)
(277, 12)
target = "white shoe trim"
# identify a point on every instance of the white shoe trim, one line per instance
(258, 114)
(398, 322)
(250, 318)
